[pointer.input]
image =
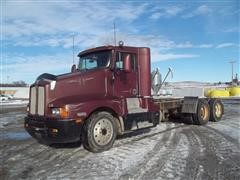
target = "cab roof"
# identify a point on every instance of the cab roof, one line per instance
(110, 47)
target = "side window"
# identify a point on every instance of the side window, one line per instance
(120, 58)
(89, 64)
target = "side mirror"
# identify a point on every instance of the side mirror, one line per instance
(74, 68)
(127, 63)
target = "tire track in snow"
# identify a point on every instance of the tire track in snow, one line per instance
(105, 163)
(59, 160)
(176, 163)
(156, 159)
(193, 168)
(221, 159)
(148, 160)
(165, 160)
(226, 136)
(120, 158)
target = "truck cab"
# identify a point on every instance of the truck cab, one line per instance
(107, 94)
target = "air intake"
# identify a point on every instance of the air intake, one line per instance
(37, 100)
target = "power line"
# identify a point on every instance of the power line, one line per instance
(114, 28)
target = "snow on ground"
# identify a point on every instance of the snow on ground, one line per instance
(10, 118)
(233, 126)
(14, 102)
(168, 151)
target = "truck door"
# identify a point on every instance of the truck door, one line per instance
(125, 83)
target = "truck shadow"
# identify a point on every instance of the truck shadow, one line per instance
(65, 145)
(177, 122)
(143, 131)
(186, 120)
(134, 133)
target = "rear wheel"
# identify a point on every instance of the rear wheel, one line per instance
(99, 132)
(203, 113)
(216, 110)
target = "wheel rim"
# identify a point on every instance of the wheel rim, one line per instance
(103, 132)
(204, 112)
(218, 110)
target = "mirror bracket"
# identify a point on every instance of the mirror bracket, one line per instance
(74, 68)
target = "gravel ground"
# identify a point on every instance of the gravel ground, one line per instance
(168, 151)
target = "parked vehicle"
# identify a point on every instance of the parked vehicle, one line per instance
(4, 97)
(106, 95)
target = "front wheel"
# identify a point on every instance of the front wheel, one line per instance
(99, 132)
(203, 113)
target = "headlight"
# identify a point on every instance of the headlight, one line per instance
(56, 111)
(62, 112)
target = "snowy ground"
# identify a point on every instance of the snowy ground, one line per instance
(168, 151)
(10, 102)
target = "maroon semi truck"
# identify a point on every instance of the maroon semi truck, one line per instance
(106, 95)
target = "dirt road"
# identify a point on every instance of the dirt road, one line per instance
(168, 151)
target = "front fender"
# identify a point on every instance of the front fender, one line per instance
(85, 109)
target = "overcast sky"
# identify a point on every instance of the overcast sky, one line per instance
(196, 39)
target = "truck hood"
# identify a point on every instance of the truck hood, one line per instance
(74, 87)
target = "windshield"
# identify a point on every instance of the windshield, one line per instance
(94, 60)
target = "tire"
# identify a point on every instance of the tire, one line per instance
(203, 113)
(99, 132)
(216, 110)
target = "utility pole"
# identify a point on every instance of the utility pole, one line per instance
(232, 63)
(73, 48)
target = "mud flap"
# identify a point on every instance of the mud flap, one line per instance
(190, 105)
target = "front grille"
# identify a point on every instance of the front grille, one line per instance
(33, 100)
(37, 100)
